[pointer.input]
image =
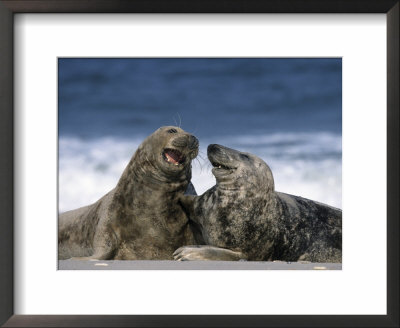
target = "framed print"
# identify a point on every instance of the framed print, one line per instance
(351, 61)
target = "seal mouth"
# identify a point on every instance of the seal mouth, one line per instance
(220, 166)
(222, 170)
(173, 156)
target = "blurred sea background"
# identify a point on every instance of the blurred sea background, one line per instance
(287, 111)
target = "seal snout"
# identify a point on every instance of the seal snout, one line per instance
(219, 157)
(193, 146)
(213, 148)
(180, 148)
(193, 143)
(186, 141)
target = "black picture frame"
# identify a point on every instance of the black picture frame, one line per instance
(10, 7)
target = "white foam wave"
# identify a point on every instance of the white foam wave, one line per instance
(307, 164)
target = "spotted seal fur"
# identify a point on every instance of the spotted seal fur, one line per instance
(243, 217)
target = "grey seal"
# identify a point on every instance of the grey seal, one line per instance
(140, 219)
(243, 218)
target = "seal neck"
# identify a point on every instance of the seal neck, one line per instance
(142, 172)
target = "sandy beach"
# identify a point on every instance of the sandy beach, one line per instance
(192, 265)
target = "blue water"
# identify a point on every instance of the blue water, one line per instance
(287, 111)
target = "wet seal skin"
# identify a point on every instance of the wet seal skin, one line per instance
(243, 218)
(140, 219)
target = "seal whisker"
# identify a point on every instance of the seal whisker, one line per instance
(180, 120)
(201, 156)
(202, 162)
(201, 166)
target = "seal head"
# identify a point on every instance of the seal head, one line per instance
(235, 170)
(164, 156)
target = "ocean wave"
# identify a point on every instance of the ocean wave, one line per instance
(304, 164)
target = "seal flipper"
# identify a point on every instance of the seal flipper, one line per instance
(206, 253)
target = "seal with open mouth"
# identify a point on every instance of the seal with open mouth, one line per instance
(140, 218)
(243, 217)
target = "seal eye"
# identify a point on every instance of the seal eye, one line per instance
(172, 131)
